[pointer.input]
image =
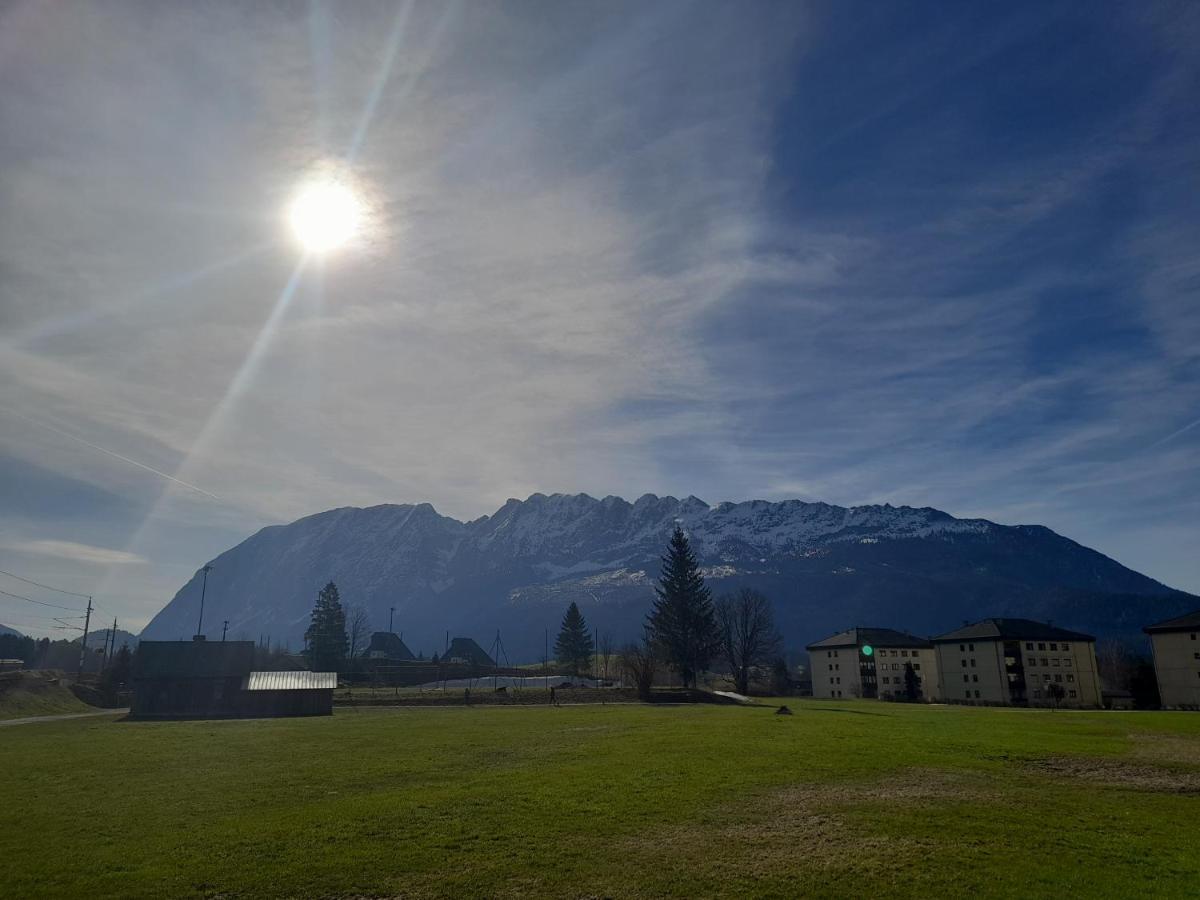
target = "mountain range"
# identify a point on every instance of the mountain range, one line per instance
(825, 568)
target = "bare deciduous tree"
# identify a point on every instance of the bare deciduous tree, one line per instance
(358, 628)
(748, 634)
(639, 662)
(604, 646)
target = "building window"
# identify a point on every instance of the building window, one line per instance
(916, 653)
(831, 680)
(917, 666)
(904, 653)
(886, 680)
(1193, 635)
(977, 695)
(839, 681)
(831, 667)
(1037, 695)
(1046, 678)
(1196, 655)
(829, 654)
(975, 678)
(1058, 678)
(894, 653)
(962, 648)
(1066, 647)
(1029, 645)
(1071, 694)
(1033, 660)
(1045, 662)
(1041, 646)
(1070, 677)
(971, 647)
(968, 693)
(966, 678)
(1054, 647)
(972, 663)
(964, 663)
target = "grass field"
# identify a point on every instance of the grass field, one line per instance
(845, 799)
(36, 694)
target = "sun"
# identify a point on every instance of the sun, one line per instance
(325, 215)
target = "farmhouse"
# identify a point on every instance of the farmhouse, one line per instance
(202, 679)
(1176, 644)
(1015, 662)
(466, 651)
(873, 662)
(388, 645)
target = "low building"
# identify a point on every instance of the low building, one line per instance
(1016, 662)
(465, 651)
(210, 680)
(387, 645)
(1176, 645)
(11, 665)
(873, 663)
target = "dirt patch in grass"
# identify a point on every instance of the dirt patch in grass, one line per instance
(1136, 775)
(808, 822)
(1168, 748)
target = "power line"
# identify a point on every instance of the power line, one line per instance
(46, 586)
(41, 602)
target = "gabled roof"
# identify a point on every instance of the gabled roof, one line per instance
(1012, 630)
(876, 637)
(466, 648)
(193, 659)
(390, 645)
(289, 681)
(1189, 622)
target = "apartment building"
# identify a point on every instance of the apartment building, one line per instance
(1016, 662)
(1176, 644)
(873, 663)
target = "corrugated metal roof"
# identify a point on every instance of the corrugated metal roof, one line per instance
(290, 681)
(193, 659)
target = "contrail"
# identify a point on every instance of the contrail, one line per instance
(114, 455)
(1172, 436)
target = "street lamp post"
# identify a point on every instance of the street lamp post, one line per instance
(203, 589)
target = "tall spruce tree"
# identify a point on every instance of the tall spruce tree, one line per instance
(326, 633)
(682, 622)
(574, 647)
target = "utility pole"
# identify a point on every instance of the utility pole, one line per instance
(87, 621)
(391, 614)
(224, 628)
(113, 649)
(203, 589)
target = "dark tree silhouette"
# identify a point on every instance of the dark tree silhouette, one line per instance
(326, 633)
(682, 622)
(1056, 693)
(912, 682)
(639, 663)
(573, 648)
(746, 625)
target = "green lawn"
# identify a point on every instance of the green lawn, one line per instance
(845, 799)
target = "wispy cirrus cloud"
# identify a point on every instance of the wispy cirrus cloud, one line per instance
(855, 255)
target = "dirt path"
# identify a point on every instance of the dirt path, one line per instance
(28, 720)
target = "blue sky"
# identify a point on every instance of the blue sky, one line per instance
(928, 254)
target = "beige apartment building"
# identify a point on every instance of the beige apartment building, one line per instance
(1015, 662)
(873, 663)
(1176, 644)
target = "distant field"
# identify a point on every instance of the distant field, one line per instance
(36, 694)
(845, 799)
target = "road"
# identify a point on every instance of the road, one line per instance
(29, 720)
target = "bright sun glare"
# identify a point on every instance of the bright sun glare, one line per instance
(324, 216)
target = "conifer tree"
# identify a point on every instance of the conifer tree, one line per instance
(574, 647)
(682, 622)
(326, 634)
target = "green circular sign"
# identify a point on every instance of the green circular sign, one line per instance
(867, 650)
